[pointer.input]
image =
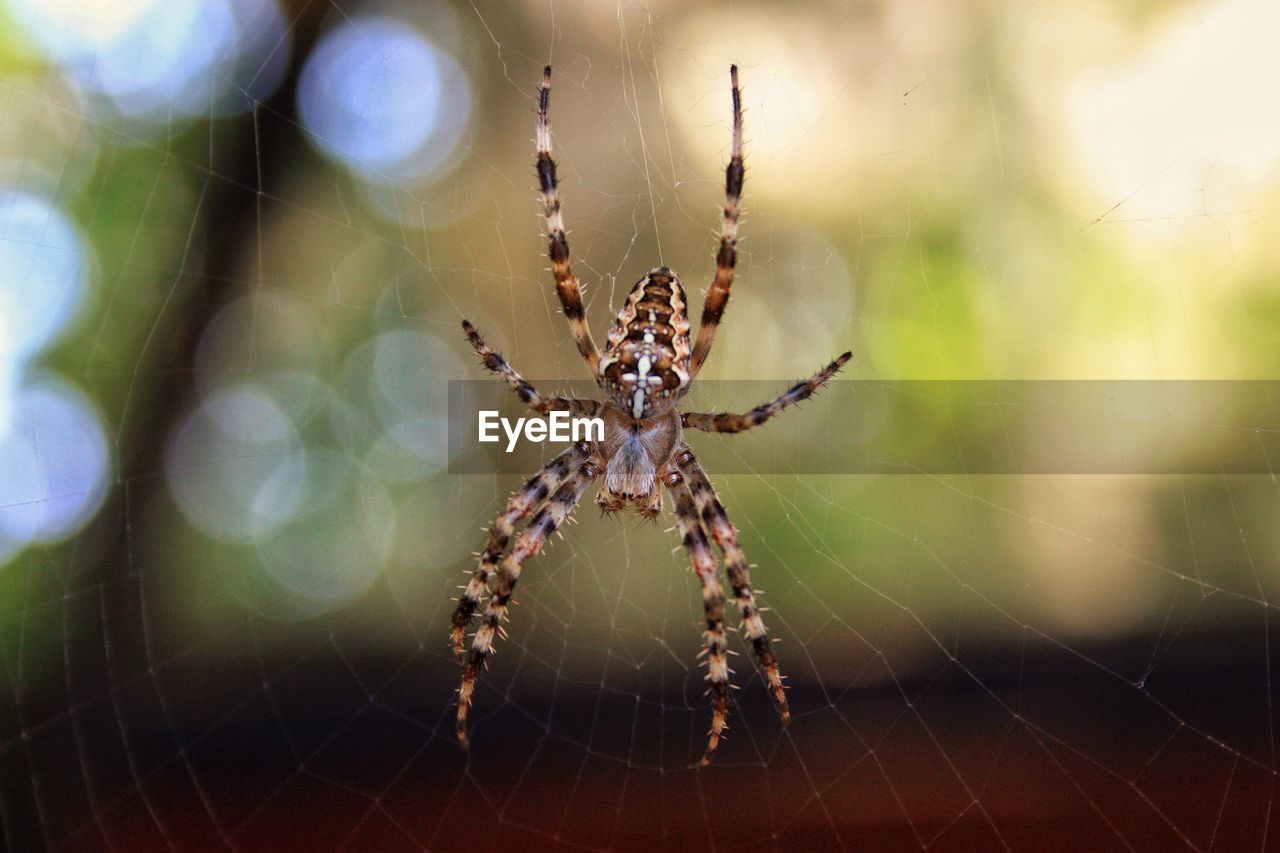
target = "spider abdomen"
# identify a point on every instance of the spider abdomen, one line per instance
(645, 366)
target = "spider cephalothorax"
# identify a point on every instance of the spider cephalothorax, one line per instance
(646, 367)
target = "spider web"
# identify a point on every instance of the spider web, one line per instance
(238, 638)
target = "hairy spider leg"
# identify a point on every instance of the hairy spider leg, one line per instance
(522, 503)
(528, 543)
(731, 423)
(725, 535)
(567, 286)
(727, 256)
(706, 567)
(523, 388)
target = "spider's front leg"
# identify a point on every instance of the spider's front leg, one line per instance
(736, 566)
(567, 287)
(705, 566)
(528, 543)
(727, 254)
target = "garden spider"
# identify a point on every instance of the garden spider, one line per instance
(646, 367)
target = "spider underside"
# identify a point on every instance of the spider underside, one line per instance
(646, 367)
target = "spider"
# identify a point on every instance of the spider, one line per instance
(647, 365)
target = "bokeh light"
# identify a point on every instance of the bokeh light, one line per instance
(160, 61)
(395, 407)
(411, 407)
(53, 464)
(257, 64)
(42, 274)
(380, 99)
(1185, 127)
(338, 542)
(793, 108)
(54, 458)
(235, 465)
(46, 136)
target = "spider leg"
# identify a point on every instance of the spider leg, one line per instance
(727, 256)
(706, 567)
(726, 538)
(524, 390)
(708, 422)
(567, 286)
(521, 504)
(528, 543)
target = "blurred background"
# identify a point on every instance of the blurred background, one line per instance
(236, 241)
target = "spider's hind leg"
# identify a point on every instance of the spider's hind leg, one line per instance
(528, 543)
(706, 567)
(739, 572)
(522, 503)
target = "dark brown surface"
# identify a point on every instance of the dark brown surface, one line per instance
(319, 744)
